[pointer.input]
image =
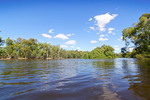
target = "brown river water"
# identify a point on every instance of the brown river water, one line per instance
(75, 79)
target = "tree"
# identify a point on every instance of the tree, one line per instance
(2, 50)
(139, 35)
(31, 48)
(1, 41)
(10, 48)
(105, 51)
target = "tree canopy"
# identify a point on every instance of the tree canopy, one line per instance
(139, 35)
(31, 48)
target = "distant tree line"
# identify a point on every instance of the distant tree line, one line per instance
(31, 48)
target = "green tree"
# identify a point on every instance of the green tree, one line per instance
(2, 49)
(1, 41)
(139, 35)
(10, 48)
(105, 51)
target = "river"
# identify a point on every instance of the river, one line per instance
(75, 79)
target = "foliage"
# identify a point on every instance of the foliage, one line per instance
(139, 35)
(118, 55)
(104, 51)
(31, 48)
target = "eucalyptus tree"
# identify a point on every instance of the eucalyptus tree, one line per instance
(55, 52)
(103, 52)
(139, 35)
(1, 41)
(31, 48)
(10, 50)
(2, 50)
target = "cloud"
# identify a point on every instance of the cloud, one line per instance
(97, 33)
(93, 47)
(103, 39)
(63, 46)
(116, 47)
(71, 42)
(61, 36)
(102, 35)
(120, 38)
(93, 41)
(78, 48)
(92, 28)
(72, 46)
(110, 31)
(102, 20)
(131, 49)
(46, 35)
(113, 33)
(90, 19)
(51, 31)
(70, 34)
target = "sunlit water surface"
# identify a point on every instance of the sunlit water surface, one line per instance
(75, 79)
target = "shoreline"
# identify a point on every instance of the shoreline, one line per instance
(54, 59)
(28, 59)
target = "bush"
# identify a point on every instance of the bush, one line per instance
(139, 56)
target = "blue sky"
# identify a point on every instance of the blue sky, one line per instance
(72, 24)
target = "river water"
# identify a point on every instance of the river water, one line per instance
(75, 79)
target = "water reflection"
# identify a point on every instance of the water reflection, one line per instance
(105, 69)
(75, 78)
(141, 81)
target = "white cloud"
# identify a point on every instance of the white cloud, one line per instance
(92, 28)
(90, 19)
(61, 36)
(71, 42)
(103, 39)
(63, 46)
(110, 31)
(93, 41)
(97, 33)
(116, 47)
(104, 19)
(93, 47)
(113, 33)
(78, 48)
(131, 49)
(70, 34)
(46, 35)
(72, 46)
(102, 35)
(51, 31)
(120, 38)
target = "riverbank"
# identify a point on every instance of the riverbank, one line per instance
(28, 58)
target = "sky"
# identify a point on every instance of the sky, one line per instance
(72, 24)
